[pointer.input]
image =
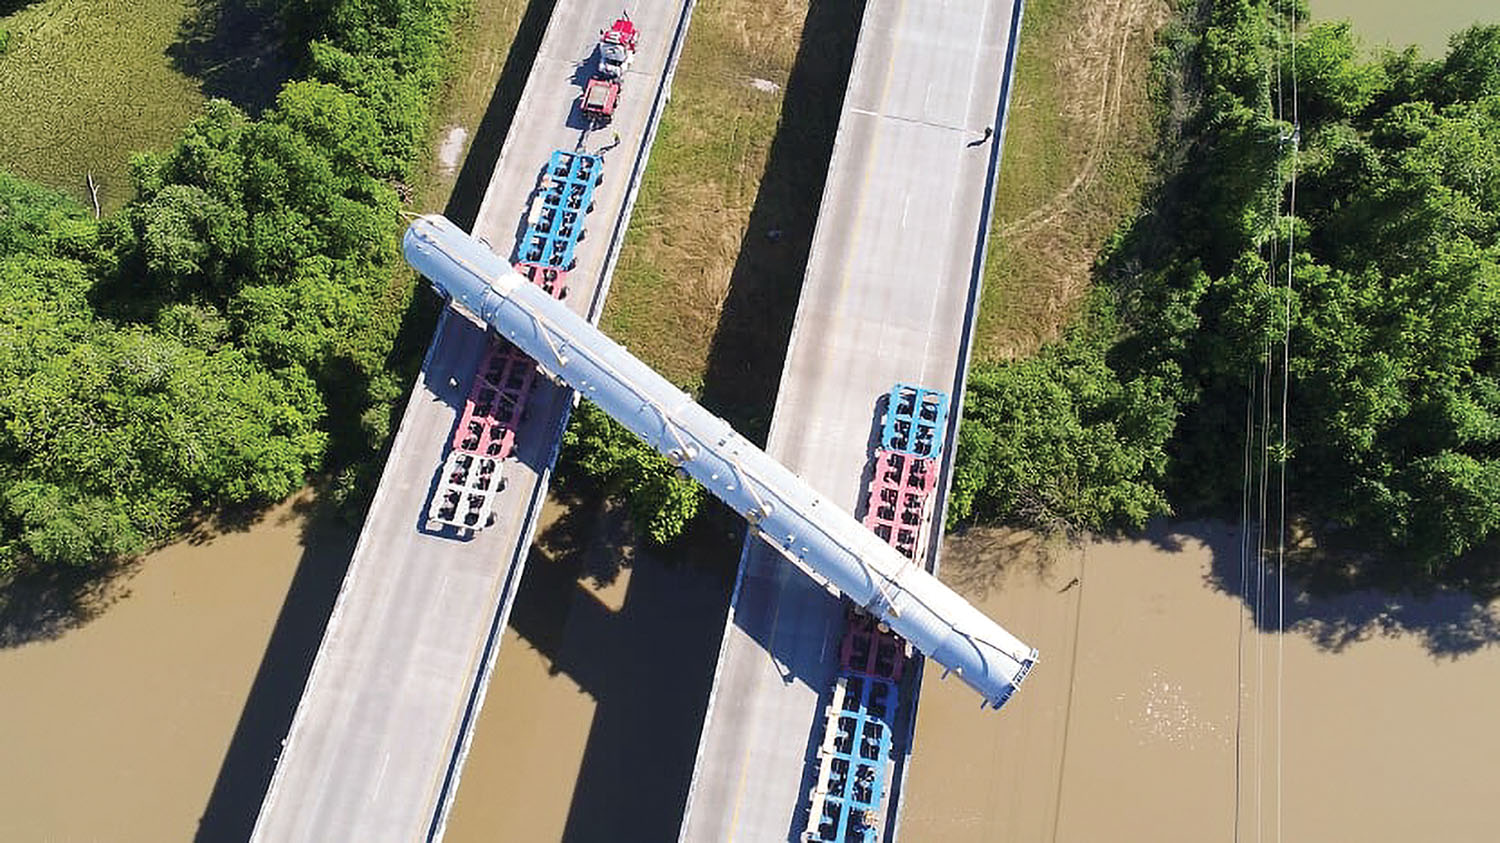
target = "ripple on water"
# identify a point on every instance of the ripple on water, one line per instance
(1164, 711)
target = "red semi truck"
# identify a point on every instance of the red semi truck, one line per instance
(616, 50)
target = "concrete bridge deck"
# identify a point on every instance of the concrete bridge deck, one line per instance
(891, 287)
(379, 737)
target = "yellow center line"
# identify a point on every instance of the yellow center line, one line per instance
(864, 179)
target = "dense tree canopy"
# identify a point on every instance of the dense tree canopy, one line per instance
(228, 331)
(600, 449)
(112, 432)
(1060, 440)
(1394, 410)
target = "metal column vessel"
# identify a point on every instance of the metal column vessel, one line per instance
(810, 530)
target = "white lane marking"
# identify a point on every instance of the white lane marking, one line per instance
(380, 779)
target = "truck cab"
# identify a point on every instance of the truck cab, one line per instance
(598, 101)
(617, 48)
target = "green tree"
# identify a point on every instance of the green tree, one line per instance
(1059, 441)
(1472, 69)
(661, 502)
(1393, 422)
(1332, 82)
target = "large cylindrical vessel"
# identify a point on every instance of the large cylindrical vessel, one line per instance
(783, 509)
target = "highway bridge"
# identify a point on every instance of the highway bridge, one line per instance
(890, 295)
(379, 738)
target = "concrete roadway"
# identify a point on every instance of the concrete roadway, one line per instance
(885, 299)
(384, 723)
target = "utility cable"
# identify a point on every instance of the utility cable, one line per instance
(1244, 586)
(1286, 376)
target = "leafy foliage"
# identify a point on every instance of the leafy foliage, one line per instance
(110, 434)
(1394, 417)
(228, 331)
(623, 467)
(1061, 440)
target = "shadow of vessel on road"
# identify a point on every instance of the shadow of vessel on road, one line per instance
(647, 665)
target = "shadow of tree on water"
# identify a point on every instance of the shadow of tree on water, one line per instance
(978, 559)
(1336, 605)
(237, 50)
(1332, 606)
(44, 604)
(592, 535)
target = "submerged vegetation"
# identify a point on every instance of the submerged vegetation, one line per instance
(1393, 421)
(229, 329)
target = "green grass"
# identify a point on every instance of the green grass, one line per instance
(697, 193)
(1076, 161)
(707, 284)
(1036, 122)
(85, 83)
(483, 43)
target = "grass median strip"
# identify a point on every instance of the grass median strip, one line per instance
(697, 194)
(475, 104)
(707, 284)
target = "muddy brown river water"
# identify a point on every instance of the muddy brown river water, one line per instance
(1400, 22)
(1151, 669)
(591, 724)
(117, 729)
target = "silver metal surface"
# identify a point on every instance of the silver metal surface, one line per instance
(788, 514)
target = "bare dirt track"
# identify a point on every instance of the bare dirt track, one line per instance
(1152, 715)
(1095, 83)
